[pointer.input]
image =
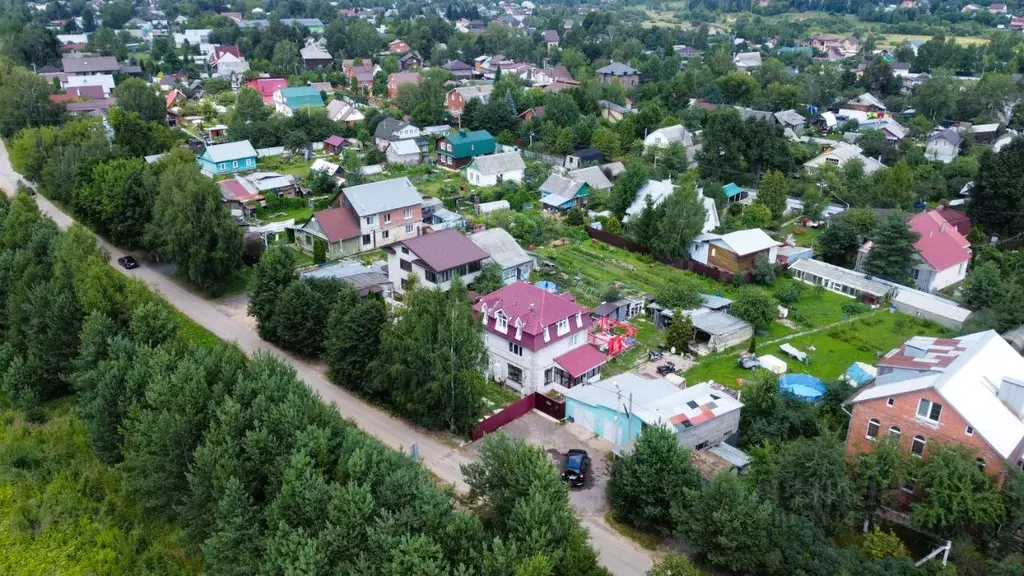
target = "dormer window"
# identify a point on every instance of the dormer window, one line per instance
(519, 329)
(547, 334)
(562, 328)
(579, 320)
(502, 324)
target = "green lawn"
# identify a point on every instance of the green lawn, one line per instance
(302, 259)
(300, 215)
(862, 340)
(497, 396)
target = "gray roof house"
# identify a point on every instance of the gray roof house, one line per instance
(619, 72)
(943, 145)
(593, 176)
(383, 196)
(90, 65)
(516, 263)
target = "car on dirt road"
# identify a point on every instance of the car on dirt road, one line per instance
(577, 464)
(127, 262)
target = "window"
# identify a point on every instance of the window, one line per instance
(917, 446)
(502, 324)
(366, 239)
(574, 340)
(515, 348)
(562, 327)
(408, 213)
(405, 265)
(387, 217)
(1020, 463)
(712, 251)
(890, 402)
(909, 486)
(929, 410)
(408, 228)
(405, 250)
(873, 426)
(308, 239)
(969, 431)
(384, 235)
(515, 373)
(693, 405)
(369, 219)
(701, 446)
(980, 462)
(894, 432)
(405, 284)
(234, 164)
(222, 166)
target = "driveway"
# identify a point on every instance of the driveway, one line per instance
(557, 439)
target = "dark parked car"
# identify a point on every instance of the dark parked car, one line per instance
(576, 464)
(128, 263)
(666, 368)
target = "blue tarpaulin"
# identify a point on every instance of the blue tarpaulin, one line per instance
(860, 373)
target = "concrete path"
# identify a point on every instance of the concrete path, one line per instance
(621, 556)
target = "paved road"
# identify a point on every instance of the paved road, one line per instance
(620, 556)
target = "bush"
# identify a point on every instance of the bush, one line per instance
(789, 293)
(854, 308)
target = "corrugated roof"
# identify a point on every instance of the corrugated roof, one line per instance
(89, 64)
(230, 151)
(445, 250)
(743, 242)
(383, 196)
(593, 176)
(579, 361)
(497, 164)
(940, 245)
(850, 278)
(657, 402)
(931, 303)
(501, 246)
(337, 224)
(559, 185)
(533, 306)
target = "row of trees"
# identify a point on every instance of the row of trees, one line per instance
(426, 362)
(801, 492)
(167, 207)
(261, 476)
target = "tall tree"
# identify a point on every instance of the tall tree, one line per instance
(352, 340)
(137, 96)
(24, 101)
(682, 220)
(956, 494)
(192, 228)
(120, 200)
(893, 253)
(625, 189)
(773, 193)
(645, 483)
(755, 306)
(996, 203)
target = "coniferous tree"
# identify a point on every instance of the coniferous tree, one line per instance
(893, 253)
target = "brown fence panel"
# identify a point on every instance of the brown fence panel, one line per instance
(551, 407)
(503, 416)
(617, 241)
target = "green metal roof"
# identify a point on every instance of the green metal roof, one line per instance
(731, 189)
(301, 96)
(467, 144)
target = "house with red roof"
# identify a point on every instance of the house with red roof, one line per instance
(536, 339)
(933, 391)
(266, 87)
(435, 260)
(338, 228)
(943, 252)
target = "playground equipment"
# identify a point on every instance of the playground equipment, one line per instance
(606, 339)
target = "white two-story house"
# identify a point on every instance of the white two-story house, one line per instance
(435, 260)
(388, 211)
(536, 339)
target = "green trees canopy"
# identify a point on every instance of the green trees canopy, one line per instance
(893, 252)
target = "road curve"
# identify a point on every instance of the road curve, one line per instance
(620, 556)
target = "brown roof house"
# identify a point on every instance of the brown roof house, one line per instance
(336, 227)
(435, 259)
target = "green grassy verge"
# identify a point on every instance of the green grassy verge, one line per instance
(645, 540)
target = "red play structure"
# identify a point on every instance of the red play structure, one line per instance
(605, 339)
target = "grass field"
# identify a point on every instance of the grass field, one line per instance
(895, 40)
(664, 18)
(835, 349)
(588, 268)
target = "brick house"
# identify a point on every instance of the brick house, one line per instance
(932, 391)
(457, 98)
(535, 338)
(624, 74)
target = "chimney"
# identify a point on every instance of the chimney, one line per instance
(1011, 393)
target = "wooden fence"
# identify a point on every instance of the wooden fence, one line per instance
(680, 263)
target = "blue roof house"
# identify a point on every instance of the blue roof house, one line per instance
(288, 100)
(227, 158)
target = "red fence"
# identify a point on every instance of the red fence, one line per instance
(504, 416)
(550, 407)
(680, 263)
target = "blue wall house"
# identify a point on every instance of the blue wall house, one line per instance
(227, 158)
(701, 416)
(560, 193)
